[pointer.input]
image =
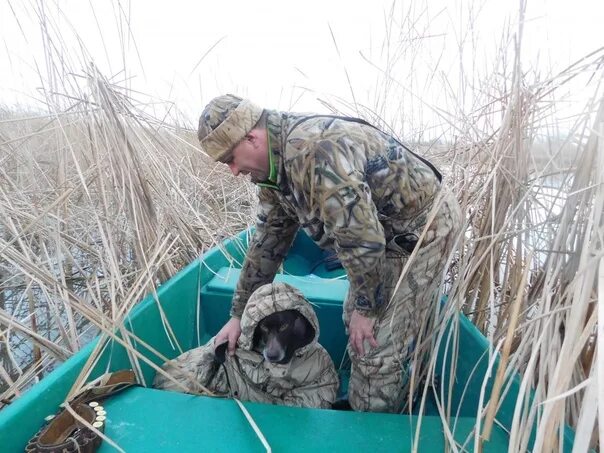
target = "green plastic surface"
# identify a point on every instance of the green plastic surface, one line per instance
(194, 424)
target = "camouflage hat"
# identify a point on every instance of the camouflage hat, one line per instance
(224, 122)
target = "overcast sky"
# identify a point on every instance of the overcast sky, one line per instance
(286, 54)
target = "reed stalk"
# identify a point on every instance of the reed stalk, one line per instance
(101, 201)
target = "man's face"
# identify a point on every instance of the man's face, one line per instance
(250, 156)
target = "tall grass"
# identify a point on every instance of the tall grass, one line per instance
(100, 202)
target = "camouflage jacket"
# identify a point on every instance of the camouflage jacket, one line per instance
(308, 380)
(351, 187)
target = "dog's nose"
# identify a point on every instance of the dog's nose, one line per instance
(273, 356)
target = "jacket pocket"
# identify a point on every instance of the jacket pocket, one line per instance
(402, 244)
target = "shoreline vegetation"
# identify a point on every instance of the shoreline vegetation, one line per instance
(100, 202)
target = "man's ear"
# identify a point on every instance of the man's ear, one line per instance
(256, 137)
(253, 137)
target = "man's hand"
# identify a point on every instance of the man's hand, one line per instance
(230, 332)
(361, 329)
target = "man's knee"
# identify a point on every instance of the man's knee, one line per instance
(375, 385)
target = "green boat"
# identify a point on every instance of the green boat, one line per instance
(196, 302)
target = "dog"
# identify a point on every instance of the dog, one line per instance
(280, 334)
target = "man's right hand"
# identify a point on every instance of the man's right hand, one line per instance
(230, 332)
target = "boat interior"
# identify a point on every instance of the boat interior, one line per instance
(190, 308)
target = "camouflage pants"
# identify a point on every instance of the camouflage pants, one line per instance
(380, 380)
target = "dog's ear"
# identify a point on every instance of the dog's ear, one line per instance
(259, 335)
(303, 331)
(255, 338)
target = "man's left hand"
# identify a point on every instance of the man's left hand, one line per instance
(361, 329)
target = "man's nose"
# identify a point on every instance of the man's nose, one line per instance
(233, 168)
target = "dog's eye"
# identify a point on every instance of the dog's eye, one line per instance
(263, 328)
(283, 327)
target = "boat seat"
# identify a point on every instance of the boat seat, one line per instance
(143, 419)
(316, 289)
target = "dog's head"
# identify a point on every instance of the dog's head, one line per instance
(280, 334)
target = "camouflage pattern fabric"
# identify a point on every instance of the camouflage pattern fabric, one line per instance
(385, 378)
(352, 188)
(224, 123)
(308, 380)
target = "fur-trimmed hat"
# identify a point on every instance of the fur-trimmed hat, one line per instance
(224, 122)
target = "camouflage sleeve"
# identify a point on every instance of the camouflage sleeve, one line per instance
(275, 232)
(336, 189)
(193, 372)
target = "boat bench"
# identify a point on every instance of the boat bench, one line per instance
(144, 419)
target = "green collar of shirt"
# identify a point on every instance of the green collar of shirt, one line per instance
(271, 181)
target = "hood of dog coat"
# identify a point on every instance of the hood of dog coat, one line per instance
(271, 298)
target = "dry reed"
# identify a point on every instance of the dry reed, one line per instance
(99, 202)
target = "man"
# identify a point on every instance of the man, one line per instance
(356, 190)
